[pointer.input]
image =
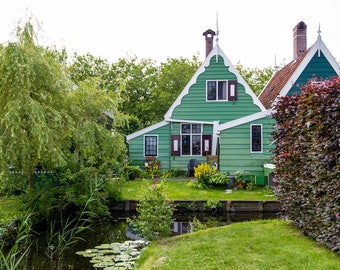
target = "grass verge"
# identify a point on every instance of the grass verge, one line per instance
(179, 190)
(264, 244)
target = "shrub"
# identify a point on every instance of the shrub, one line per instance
(219, 179)
(154, 168)
(132, 172)
(155, 214)
(307, 160)
(203, 172)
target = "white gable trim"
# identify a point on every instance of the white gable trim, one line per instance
(145, 130)
(318, 45)
(215, 51)
(240, 79)
(244, 120)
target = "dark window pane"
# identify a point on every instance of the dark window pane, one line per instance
(256, 144)
(186, 145)
(196, 144)
(186, 128)
(222, 90)
(196, 128)
(211, 90)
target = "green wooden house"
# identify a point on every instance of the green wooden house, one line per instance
(314, 64)
(216, 118)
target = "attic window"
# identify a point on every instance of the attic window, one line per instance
(221, 90)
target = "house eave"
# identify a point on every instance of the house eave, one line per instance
(145, 130)
(244, 120)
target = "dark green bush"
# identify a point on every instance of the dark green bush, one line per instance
(307, 158)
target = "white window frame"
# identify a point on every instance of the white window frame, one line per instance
(151, 135)
(251, 139)
(225, 89)
(190, 134)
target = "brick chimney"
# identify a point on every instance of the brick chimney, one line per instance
(299, 39)
(209, 41)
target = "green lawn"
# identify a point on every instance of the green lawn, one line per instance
(264, 244)
(179, 190)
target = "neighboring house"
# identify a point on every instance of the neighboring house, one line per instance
(313, 64)
(215, 118)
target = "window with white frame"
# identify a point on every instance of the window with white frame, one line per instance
(221, 90)
(150, 146)
(256, 138)
(191, 139)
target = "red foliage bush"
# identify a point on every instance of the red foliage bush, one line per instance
(306, 156)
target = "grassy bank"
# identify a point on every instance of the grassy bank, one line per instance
(269, 244)
(179, 190)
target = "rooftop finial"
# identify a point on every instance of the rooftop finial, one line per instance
(276, 67)
(319, 40)
(217, 33)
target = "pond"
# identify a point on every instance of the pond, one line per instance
(114, 230)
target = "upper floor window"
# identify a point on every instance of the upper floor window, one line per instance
(150, 146)
(221, 90)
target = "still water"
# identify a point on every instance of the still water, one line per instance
(114, 230)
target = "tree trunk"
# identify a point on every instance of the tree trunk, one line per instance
(31, 178)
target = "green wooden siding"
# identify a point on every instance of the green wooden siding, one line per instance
(195, 107)
(317, 67)
(235, 153)
(136, 148)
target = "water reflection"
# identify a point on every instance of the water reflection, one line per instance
(114, 230)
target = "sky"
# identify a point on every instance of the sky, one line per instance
(255, 33)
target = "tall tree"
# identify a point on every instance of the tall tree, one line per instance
(139, 79)
(32, 102)
(43, 114)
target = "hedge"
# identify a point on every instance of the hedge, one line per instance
(306, 156)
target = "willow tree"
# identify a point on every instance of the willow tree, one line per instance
(42, 113)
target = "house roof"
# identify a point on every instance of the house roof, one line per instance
(278, 81)
(284, 79)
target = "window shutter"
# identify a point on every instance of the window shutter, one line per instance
(206, 150)
(232, 90)
(175, 145)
